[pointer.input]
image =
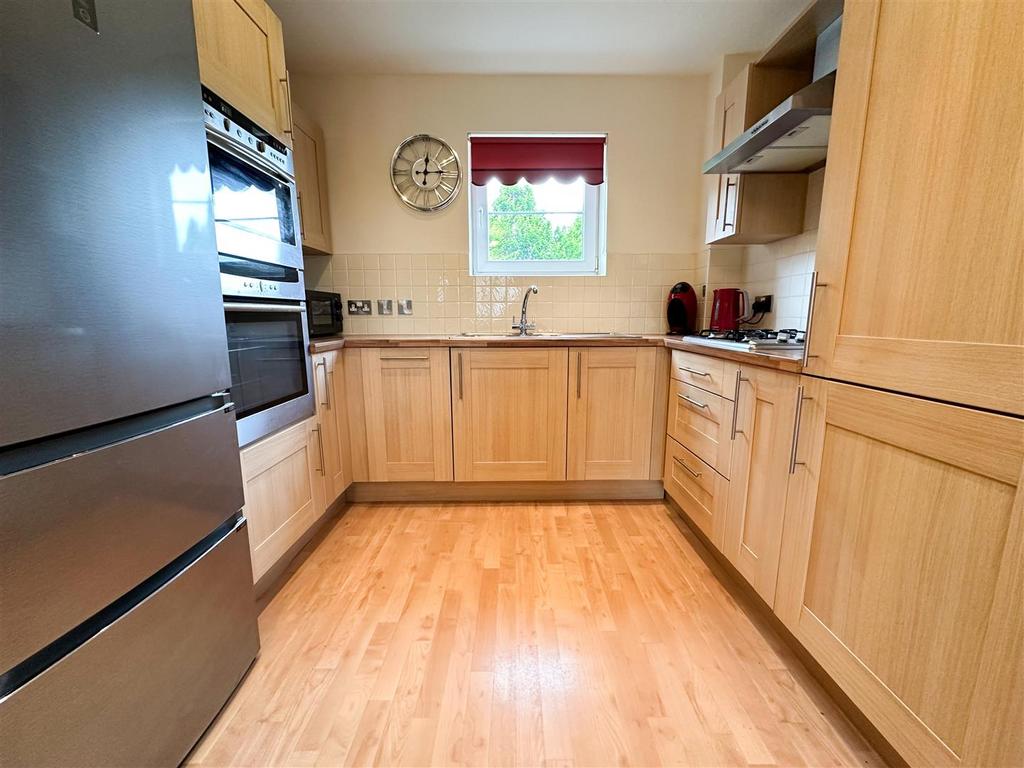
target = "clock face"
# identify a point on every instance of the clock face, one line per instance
(426, 173)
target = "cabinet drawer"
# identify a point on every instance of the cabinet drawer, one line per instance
(700, 421)
(708, 373)
(697, 488)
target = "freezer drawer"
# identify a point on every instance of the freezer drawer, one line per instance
(77, 534)
(142, 692)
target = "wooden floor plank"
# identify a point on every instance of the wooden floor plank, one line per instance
(583, 634)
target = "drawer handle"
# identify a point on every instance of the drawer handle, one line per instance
(691, 401)
(736, 404)
(682, 464)
(405, 357)
(694, 371)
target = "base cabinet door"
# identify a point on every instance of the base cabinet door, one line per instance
(610, 415)
(400, 414)
(329, 386)
(509, 413)
(902, 568)
(766, 402)
(284, 491)
(241, 59)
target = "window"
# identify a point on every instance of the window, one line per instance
(537, 205)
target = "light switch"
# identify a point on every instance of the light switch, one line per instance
(405, 306)
(385, 307)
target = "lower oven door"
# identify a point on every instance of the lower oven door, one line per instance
(271, 373)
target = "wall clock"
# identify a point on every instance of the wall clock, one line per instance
(426, 173)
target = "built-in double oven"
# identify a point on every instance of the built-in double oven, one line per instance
(256, 217)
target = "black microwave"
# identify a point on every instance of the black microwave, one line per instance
(323, 310)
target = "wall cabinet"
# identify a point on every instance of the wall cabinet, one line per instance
(762, 207)
(311, 183)
(241, 59)
(509, 413)
(765, 406)
(913, 228)
(610, 413)
(400, 413)
(329, 388)
(283, 480)
(902, 568)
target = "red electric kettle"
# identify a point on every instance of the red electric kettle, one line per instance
(728, 306)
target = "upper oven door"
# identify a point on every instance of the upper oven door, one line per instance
(255, 206)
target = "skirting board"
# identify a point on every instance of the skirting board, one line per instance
(548, 490)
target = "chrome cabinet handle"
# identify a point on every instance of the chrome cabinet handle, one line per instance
(694, 371)
(579, 374)
(323, 362)
(320, 440)
(682, 464)
(404, 357)
(815, 285)
(694, 402)
(793, 463)
(302, 220)
(725, 206)
(460, 375)
(736, 405)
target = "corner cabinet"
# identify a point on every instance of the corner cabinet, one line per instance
(920, 275)
(903, 568)
(610, 413)
(756, 207)
(241, 59)
(311, 181)
(283, 481)
(509, 413)
(399, 414)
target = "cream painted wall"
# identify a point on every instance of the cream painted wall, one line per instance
(655, 129)
(656, 135)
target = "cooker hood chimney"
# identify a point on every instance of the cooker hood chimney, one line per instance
(793, 137)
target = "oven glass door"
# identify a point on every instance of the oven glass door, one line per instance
(254, 209)
(267, 351)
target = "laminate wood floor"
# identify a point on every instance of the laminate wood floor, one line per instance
(588, 634)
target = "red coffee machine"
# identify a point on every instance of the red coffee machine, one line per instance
(728, 306)
(682, 310)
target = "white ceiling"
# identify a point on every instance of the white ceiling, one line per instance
(627, 37)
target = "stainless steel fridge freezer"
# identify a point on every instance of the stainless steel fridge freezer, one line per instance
(126, 608)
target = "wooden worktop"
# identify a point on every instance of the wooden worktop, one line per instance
(790, 361)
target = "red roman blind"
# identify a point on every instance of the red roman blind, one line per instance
(536, 158)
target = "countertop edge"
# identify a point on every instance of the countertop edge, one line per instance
(778, 362)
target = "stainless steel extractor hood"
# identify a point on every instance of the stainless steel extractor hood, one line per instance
(791, 138)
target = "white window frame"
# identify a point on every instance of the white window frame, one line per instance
(595, 238)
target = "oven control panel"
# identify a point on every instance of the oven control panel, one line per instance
(222, 119)
(236, 285)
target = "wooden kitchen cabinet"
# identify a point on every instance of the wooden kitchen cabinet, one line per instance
(509, 413)
(400, 413)
(701, 422)
(757, 207)
(241, 59)
(699, 491)
(311, 183)
(610, 413)
(902, 569)
(283, 481)
(329, 387)
(766, 403)
(920, 272)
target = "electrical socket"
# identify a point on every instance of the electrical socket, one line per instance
(405, 306)
(762, 304)
(360, 307)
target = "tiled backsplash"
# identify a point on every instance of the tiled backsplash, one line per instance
(446, 299)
